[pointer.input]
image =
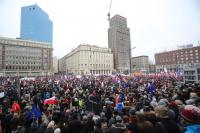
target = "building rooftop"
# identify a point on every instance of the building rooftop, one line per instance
(140, 56)
(182, 47)
(6, 40)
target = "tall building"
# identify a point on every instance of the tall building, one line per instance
(87, 59)
(35, 24)
(24, 58)
(119, 42)
(140, 64)
(177, 60)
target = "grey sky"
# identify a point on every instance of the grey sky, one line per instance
(156, 25)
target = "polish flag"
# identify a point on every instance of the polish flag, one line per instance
(50, 100)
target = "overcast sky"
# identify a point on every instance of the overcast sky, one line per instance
(155, 25)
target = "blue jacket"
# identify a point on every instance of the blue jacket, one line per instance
(192, 129)
(151, 88)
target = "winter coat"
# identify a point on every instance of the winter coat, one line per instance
(49, 130)
(117, 128)
(192, 129)
(75, 126)
(166, 125)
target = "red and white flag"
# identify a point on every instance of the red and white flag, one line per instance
(50, 100)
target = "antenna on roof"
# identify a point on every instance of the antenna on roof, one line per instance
(109, 10)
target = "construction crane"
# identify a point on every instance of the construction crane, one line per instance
(109, 10)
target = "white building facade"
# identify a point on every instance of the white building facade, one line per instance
(25, 58)
(87, 59)
(140, 64)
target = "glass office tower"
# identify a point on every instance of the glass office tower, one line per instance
(35, 24)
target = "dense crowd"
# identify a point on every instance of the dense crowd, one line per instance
(99, 104)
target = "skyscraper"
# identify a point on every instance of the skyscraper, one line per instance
(35, 24)
(119, 42)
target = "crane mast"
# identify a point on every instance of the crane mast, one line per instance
(109, 11)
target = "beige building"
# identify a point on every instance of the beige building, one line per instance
(55, 64)
(87, 59)
(62, 69)
(140, 64)
(24, 58)
(119, 42)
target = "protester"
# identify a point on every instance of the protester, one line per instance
(105, 103)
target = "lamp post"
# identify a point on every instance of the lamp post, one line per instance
(130, 59)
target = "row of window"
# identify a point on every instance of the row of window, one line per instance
(23, 57)
(23, 67)
(25, 63)
(186, 55)
(96, 65)
(93, 54)
(187, 51)
(100, 71)
(190, 53)
(180, 60)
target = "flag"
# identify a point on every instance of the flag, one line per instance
(15, 107)
(165, 69)
(50, 100)
(34, 113)
(120, 106)
(116, 99)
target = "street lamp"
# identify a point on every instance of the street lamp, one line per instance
(130, 58)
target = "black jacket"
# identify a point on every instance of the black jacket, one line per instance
(166, 125)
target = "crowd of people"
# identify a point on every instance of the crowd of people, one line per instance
(99, 104)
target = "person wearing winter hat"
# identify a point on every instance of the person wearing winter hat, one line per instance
(154, 103)
(161, 111)
(163, 102)
(195, 98)
(189, 102)
(165, 124)
(191, 114)
(191, 119)
(176, 113)
(118, 127)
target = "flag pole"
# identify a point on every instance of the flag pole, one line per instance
(52, 111)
